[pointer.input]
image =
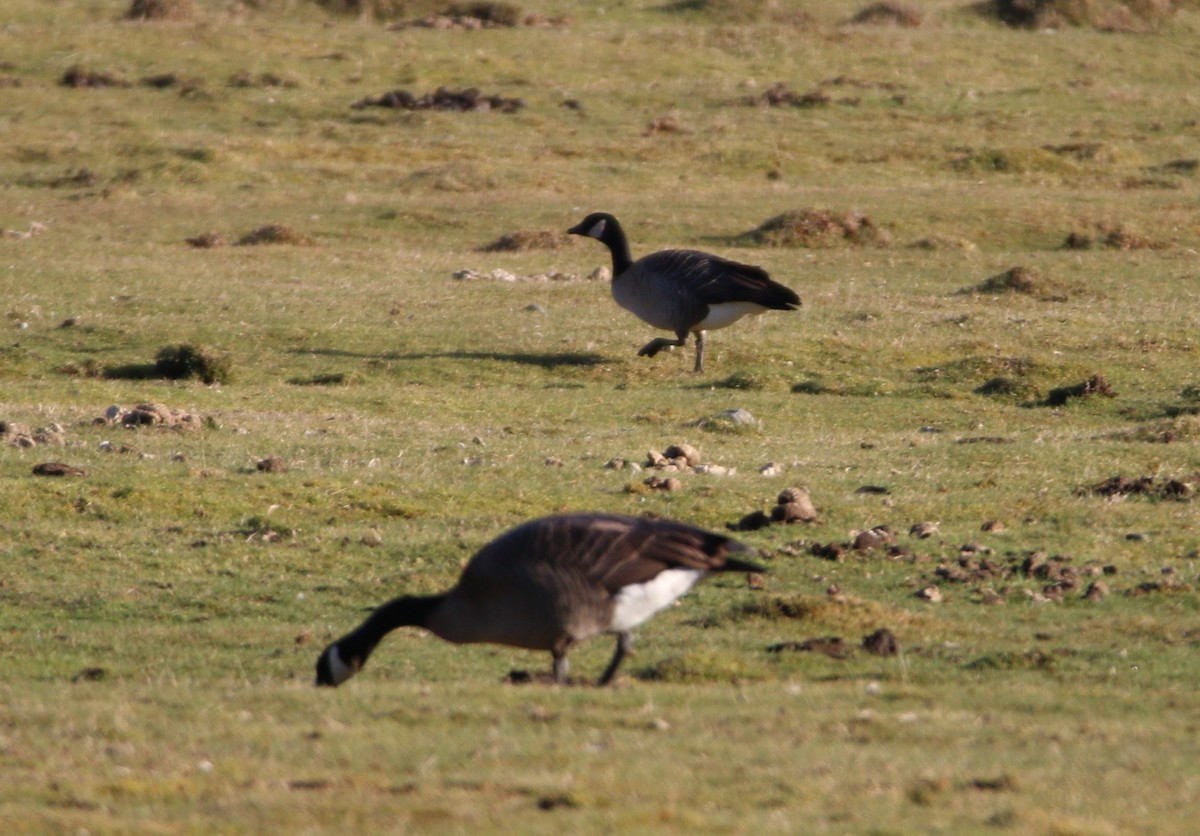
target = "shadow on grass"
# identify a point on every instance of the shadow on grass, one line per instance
(545, 361)
(133, 371)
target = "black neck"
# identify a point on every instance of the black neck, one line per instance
(614, 237)
(408, 611)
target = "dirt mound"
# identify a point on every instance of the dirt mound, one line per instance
(888, 14)
(1121, 486)
(160, 10)
(816, 229)
(1026, 281)
(78, 76)
(1110, 237)
(1105, 15)
(523, 241)
(272, 234)
(466, 100)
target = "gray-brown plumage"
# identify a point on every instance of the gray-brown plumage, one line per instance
(684, 291)
(552, 583)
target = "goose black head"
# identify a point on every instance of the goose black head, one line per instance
(331, 670)
(599, 225)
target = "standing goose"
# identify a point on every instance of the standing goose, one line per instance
(684, 291)
(552, 583)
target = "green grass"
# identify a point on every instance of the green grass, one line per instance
(160, 616)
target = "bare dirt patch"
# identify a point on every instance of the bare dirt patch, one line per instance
(527, 240)
(1025, 281)
(888, 14)
(817, 229)
(1105, 15)
(160, 10)
(468, 99)
(273, 234)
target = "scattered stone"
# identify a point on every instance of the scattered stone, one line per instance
(771, 469)
(1096, 591)
(874, 538)
(659, 483)
(553, 461)
(881, 643)
(993, 526)
(58, 469)
(714, 470)
(931, 594)
(687, 452)
(271, 464)
(501, 275)
(466, 100)
(245, 79)
(924, 530)
(372, 539)
(668, 124)
(794, 505)
(152, 415)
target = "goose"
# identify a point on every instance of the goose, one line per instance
(684, 291)
(550, 584)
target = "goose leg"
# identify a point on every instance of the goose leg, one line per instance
(658, 344)
(699, 352)
(624, 645)
(561, 666)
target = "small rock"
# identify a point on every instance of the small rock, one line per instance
(738, 416)
(756, 580)
(615, 463)
(793, 512)
(714, 470)
(924, 530)
(993, 526)
(874, 538)
(534, 308)
(881, 643)
(372, 538)
(770, 469)
(658, 483)
(1096, 591)
(683, 451)
(553, 461)
(931, 594)
(271, 464)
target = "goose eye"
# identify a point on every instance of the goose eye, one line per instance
(597, 230)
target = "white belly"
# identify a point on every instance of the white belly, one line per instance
(726, 313)
(637, 602)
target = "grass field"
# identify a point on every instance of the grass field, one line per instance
(1003, 341)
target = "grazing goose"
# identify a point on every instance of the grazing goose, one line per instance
(551, 583)
(684, 291)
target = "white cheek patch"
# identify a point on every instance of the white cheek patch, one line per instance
(637, 602)
(338, 669)
(598, 230)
